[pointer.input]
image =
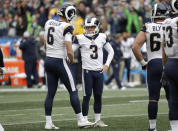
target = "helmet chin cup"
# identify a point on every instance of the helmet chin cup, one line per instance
(89, 35)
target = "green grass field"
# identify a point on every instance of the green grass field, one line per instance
(122, 111)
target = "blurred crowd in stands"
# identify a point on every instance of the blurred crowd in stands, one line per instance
(116, 16)
(124, 17)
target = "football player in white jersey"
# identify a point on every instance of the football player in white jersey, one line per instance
(152, 34)
(58, 40)
(171, 59)
(91, 45)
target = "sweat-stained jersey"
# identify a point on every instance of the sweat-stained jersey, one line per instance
(54, 37)
(154, 38)
(92, 50)
(171, 37)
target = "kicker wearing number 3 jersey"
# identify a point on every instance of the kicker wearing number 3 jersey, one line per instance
(92, 51)
(91, 45)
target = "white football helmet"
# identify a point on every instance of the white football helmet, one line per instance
(159, 11)
(174, 6)
(91, 22)
(67, 11)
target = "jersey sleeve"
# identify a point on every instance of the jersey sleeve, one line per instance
(144, 27)
(110, 51)
(107, 40)
(68, 29)
(75, 44)
(75, 40)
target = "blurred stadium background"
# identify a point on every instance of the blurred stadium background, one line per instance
(21, 109)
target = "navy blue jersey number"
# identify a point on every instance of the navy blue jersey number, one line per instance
(94, 49)
(169, 42)
(50, 37)
(155, 45)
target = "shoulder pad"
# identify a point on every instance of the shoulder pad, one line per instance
(145, 27)
(68, 28)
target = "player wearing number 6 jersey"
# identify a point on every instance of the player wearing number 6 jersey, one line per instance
(58, 39)
(152, 34)
(91, 45)
(171, 67)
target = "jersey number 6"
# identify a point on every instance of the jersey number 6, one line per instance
(50, 38)
(155, 45)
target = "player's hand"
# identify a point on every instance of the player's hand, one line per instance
(164, 80)
(69, 61)
(105, 69)
(144, 64)
(144, 67)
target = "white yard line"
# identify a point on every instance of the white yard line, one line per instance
(71, 119)
(59, 89)
(105, 97)
(67, 107)
(54, 115)
(143, 101)
(12, 115)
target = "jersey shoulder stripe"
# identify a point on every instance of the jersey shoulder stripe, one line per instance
(68, 29)
(145, 27)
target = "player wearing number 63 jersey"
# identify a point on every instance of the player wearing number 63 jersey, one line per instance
(171, 64)
(58, 39)
(91, 45)
(152, 34)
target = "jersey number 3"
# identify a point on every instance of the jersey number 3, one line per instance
(50, 37)
(94, 49)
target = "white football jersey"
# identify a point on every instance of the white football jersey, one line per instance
(54, 37)
(126, 47)
(91, 50)
(154, 38)
(171, 37)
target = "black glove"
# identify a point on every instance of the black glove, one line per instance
(144, 67)
(164, 80)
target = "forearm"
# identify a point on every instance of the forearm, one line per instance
(138, 43)
(137, 52)
(68, 43)
(45, 45)
(110, 51)
(70, 53)
(71, 57)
